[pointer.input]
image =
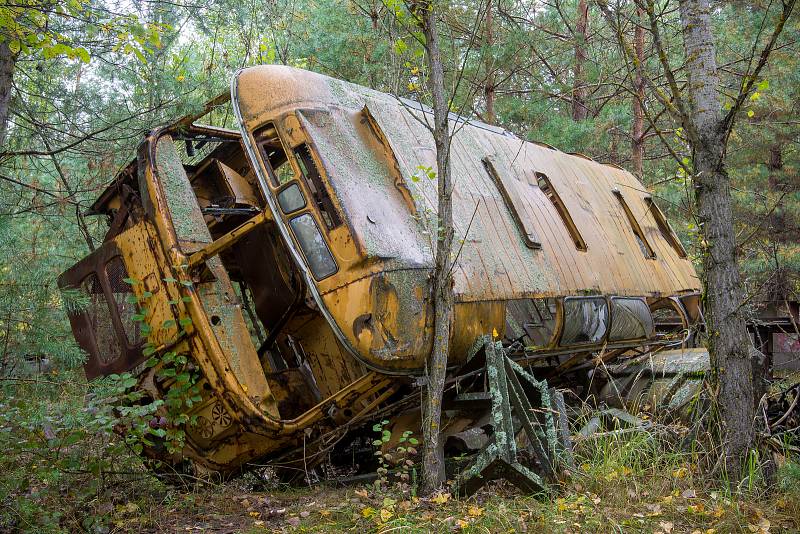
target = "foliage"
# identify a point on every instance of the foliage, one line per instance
(62, 443)
(396, 466)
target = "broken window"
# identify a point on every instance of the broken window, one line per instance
(641, 240)
(585, 320)
(551, 194)
(100, 323)
(319, 258)
(630, 319)
(663, 226)
(318, 191)
(278, 165)
(124, 299)
(532, 321)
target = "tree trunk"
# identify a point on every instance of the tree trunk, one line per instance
(637, 128)
(579, 110)
(433, 454)
(8, 61)
(488, 86)
(729, 343)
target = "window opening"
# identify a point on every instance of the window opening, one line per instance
(630, 319)
(99, 315)
(313, 244)
(547, 188)
(279, 167)
(533, 321)
(585, 320)
(318, 191)
(663, 226)
(291, 198)
(513, 196)
(124, 299)
(641, 240)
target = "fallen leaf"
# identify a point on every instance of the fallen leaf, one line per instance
(475, 511)
(680, 473)
(305, 513)
(689, 494)
(666, 526)
(386, 515)
(440, 498)
(294, 521)
(362, 493)
(368, 512)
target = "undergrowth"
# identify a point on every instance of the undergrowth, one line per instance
(64, 469)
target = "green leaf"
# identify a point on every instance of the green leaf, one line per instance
(139, 55)
(130, 281)
(170, 280)
(750, 113)
(83, 54)
(137, 317)
(14, 46)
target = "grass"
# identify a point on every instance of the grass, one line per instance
(635, 482)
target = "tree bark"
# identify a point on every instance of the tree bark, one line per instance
(8, 61)
(579, 110)
(729, 343)
(489, 85)
(637, 127)
(433, 453)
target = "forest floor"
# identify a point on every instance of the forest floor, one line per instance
(57, 477)
(665, 504)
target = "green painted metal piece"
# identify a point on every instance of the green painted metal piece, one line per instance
(513, 392)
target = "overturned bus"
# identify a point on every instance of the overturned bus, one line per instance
(288, 261)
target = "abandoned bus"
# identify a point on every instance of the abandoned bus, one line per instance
(288, 262)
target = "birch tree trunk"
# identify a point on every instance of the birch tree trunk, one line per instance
(579, 110)
(637, 128)
(7, 63)
(488, 86)
(729, 343)
(433, 453)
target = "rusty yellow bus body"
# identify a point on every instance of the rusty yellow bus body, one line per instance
(290, 261)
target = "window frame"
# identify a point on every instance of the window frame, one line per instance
(557, 202)
(298, 215)
(665, 228)
(648, 252)
(563, 320)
